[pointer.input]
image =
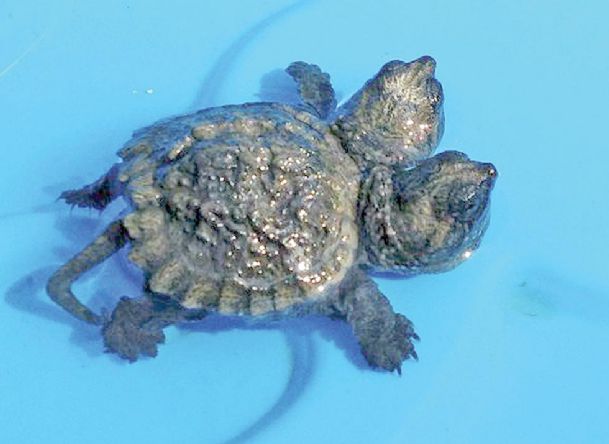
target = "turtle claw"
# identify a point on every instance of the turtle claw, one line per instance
(391, 347)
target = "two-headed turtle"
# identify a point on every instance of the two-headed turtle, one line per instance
(269, 209)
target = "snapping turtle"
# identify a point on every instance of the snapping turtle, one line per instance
(270, 209)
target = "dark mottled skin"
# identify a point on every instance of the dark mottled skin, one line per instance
(269, 209)
(314, 87)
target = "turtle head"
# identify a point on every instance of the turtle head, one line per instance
(433, 216)
(396, 118)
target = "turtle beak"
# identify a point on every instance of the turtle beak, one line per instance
(426, 64)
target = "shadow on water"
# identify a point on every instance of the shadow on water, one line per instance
(28, 293)
(278, 86)
(298, 336)
(545, 294)
(38, 209)
(208, 92)
(302, 366)
(337, 332)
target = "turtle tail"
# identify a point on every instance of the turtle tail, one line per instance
(59, 285)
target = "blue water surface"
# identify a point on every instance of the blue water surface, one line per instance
(514, 342)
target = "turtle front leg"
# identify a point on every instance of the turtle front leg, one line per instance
(385, 337)
(136, 326)
(314, 87)
(97, 194)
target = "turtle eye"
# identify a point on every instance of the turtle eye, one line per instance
(434, 90)
(491, 172)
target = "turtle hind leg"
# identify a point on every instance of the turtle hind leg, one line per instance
(314, 87)
(97, 194)
(59, 286)
(385, 337)
(136, 326)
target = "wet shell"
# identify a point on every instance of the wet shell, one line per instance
(241, 210)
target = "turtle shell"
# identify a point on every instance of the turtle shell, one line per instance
(246, 209)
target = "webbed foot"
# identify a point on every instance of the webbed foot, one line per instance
(385, 337)
(387, 345)
(314, 87)
(96, 195)
(86, 198)
(133, 329)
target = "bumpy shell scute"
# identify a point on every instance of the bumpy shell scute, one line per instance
(233, 298)
(260, 205)
(146, 229)
(171, 278)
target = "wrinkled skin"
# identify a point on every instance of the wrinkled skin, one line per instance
(268, 209)
(429, 218)
(397, 118)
